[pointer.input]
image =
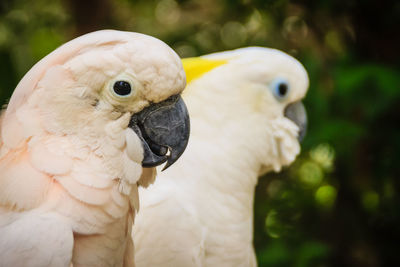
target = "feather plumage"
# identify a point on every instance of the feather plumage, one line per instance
(69, 164)
(200, 211)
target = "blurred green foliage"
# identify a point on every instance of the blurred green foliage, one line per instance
(337, 205)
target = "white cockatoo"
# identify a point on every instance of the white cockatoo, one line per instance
(246, 119)
(74, 137)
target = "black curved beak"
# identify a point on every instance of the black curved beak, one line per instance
(164, 130)
(297, 113)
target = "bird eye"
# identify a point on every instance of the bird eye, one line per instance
(280, 88)
(122, 88)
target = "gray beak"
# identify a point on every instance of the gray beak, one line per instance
(164, 130)
(297, 113)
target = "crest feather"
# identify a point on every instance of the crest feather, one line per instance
(195, 67)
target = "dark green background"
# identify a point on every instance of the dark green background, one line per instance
(339, 204)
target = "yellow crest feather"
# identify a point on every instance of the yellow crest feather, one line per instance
(197, 66)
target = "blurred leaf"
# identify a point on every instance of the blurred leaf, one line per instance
(310, 253)
(43, 42)
(276, 254)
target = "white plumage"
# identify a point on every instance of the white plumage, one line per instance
(200, 211)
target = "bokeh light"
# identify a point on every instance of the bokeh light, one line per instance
(311, 174)
(167, 12)
(370, 200)
(325, 196)
(233, 34)
(273, 225)
(324, 155)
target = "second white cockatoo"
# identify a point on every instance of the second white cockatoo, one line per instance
(246, 119)
(78, 129)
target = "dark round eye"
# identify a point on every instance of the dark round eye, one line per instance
(280, 88)
(122, 88)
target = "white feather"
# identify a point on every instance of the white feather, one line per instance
(199, 212)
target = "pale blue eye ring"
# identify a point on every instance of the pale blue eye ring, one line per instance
(280, 88)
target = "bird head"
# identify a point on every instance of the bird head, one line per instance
(257, 93)
(106, 87)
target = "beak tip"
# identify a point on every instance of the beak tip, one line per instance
(176, 154)
(302, 134)
(166, 166)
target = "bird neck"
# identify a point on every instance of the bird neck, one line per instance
(226, 169)
(221, 188)
(226, 173)
(225, 146)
